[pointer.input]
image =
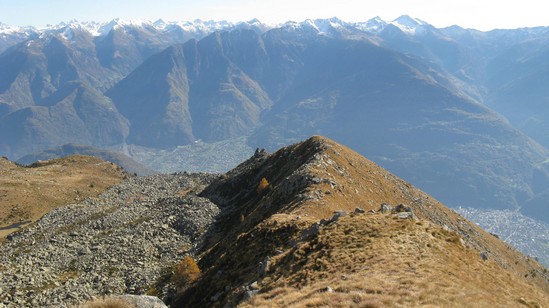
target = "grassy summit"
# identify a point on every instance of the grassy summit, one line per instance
(27, 193)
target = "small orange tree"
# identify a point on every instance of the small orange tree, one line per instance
(186, 272)
(262, 185)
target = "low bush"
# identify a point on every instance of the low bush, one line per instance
(263, 184)
(186, 272)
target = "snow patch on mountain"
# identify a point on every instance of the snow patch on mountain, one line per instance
(14, 30)
(68, 34)
(326, 26)
(405, 23)
(317, 26)
(375, 24)
(408, 24)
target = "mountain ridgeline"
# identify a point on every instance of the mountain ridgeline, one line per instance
(445, 109)
(312, 224)
(316, 235)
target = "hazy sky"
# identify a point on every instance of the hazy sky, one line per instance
(478, 14)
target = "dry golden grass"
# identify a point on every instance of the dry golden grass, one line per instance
(107, 302)
(27, 193)
(362, 183)
(375, 260)
(186, 272)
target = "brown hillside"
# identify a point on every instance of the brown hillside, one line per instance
(271, 244)
(27, 193)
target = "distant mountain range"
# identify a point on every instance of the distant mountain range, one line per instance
(463, 114)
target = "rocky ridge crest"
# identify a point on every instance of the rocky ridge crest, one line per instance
(329, 215)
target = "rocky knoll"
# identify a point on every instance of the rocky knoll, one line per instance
(120, 242)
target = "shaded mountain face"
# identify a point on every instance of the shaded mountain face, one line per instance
(194, 92)
(410, 118)
(125, 47)
(506, 69)
(158, 106)
(73, 53)
(75, 113)
(50, 94)
(284, 245)
(517, 82)
(52, 83)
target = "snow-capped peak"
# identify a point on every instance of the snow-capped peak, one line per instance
(105, 28)
(160, 23)
(408, 24)
(405, 23)
(326, 26)
(310, 23)
(9, 30)
(408, 21)
(197, 26)
(375, 25)
(317, 26)
(253, 21)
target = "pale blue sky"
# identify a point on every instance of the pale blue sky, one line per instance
(478, 14)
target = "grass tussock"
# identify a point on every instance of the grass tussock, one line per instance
(107, 302)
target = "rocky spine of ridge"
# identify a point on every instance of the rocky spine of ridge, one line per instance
(264, 244)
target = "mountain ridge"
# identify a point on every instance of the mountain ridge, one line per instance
(315, 188)
(312, 223)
